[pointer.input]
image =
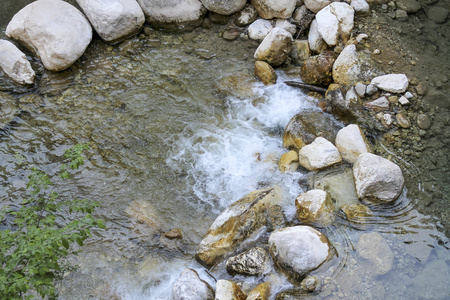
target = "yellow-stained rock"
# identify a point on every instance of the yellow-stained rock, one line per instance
(265, 72)
(315, 207)
(288, 161)
(260, 292)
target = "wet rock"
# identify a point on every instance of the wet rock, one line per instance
(183, 15)
(224, 7)
(316, 42)
(346, 69)
(315, 208)
(286, 25)
(241, 219)
(174, 234)
(113, 20)
(143, 212)
(259, 29)
(310, 283)
(360, 89)
(260, 292)
(422, 88)
(55, 30)
(316, 5)
(252, 262)
(378, 105)
(304, 127)
(356, 212)
(437, 14)
(275, 48)
(238, 85)
(246, 16)
(228, 290)
(335, 21)
(289, 162)
(8, 109)
(423, 121)
(231, 33)
(189, 286)
(294, 294)
(316, 70)
(361, 7)
(410, 6)
(318, 155)
(54, 83)
(265, 72)
(351, 142)
(394, 83)
(402, 121)
(301, 50)
(15, 64)
(271, 9)
(374, 248)
(377, 179)
(298, 250)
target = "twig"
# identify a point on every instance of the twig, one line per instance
(306, 86)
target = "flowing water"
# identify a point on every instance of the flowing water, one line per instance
(179, 129)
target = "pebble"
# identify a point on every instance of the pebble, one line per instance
(403, 121)
(423, 121)
(403, 100)
(409, 95)
(393, 99)
(421, 88)
(376, 51)
(361, 37)
(360, 89)
(371, 89)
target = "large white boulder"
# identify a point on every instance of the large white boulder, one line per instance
(315, 207)
(113, 20)
(377, 179)
(259, 29)
(15, 64)
(316, 5)
(182, 14)
(319, 154)
(298, 250)
(315, 40)
(351, 143)
(394, 83)
(346, 68)
(334, 21)
(275, 48)
(189, 286)
(55, 30)
(270, 9)
(224, 7)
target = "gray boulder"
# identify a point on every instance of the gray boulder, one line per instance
(113, 20)
(15, 64)
(55, 30)
(189, 286)
(224, 7)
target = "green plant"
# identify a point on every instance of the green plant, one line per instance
(35, 245)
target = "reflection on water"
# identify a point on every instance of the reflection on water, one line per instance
(165, 136)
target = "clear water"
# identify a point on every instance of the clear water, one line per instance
(166, 129)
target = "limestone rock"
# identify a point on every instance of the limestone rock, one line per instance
(228, 290)
(298, 250)
(404, 101)
(360, 89)
(377, 179)
(316, 5)
(275, 48)
(174, 234)
(55, 30)
(241, 219)
(318, 155)
(15, 64)
(113, 20)
(288, 161)
(316, 42)
(334, 21)
(305, 126)
(361, 7)
(260, 292)
(270, 9)
(286, 25)
(265, 72)
(173, 14)
(259, 29)
(317, 70)
(378, 105)
(252, 262)
(301, 49)
(246, 16)
(357, 212)
(394, 83)
(351, 143)
(189, 286)
(346, 68)
(373, 247)
(315, 208)
(224, 7)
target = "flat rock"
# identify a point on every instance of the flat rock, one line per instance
(15, 64)
(335, 21)
(270, 9)
(318, 155)
(55, 30)
(394, 83)
(374, 248)
(379, 104)
(351, 142)
(377, 179)
(315, 207)
(189, 286)
(275, 48)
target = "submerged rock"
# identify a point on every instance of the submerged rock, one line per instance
(377, 179)
(55, 30)
(244, 217)
(251, 262)
(335, 21)
(275, 48)
(374, 248)
(113, 20)
(317, 70)
(394, 83)
(270, 9)
(351, 143)
(228, 290)
(15, 64)
(298, 250)
(315, 208)
(318, 155)
(224, 7)
(357, 212)
(189, 286)
(433, 281)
